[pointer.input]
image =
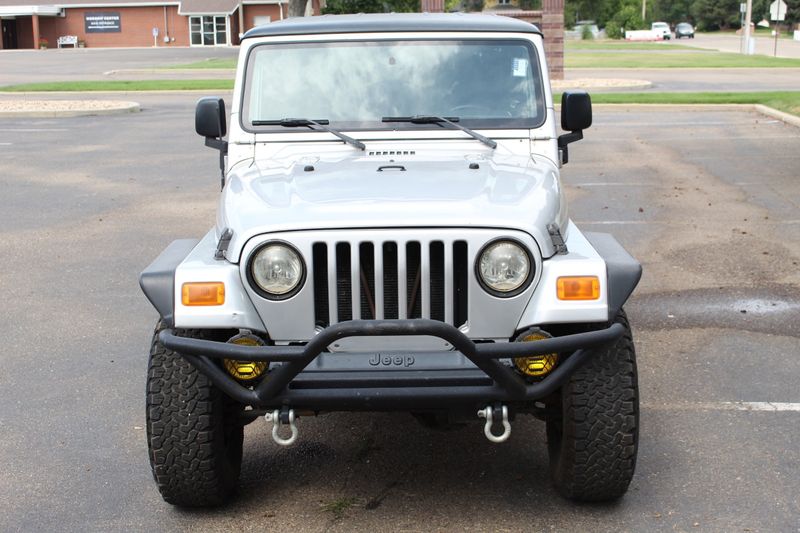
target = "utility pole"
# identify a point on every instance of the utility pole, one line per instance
(748, 16)
(644, 10)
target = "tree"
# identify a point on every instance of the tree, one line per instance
(716, 14)
(297, 8)
(338, 7)
(670, 11)
(629, 17)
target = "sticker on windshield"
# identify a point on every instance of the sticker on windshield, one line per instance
(520, 67)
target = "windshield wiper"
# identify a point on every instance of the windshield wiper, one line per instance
(451, 121)
(314, 125)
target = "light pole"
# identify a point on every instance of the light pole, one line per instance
(748, 16)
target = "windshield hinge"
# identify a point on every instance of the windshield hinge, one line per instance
(222, 245)
(558, 241)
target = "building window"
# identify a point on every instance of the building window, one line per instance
(260, 20)
(208, 30)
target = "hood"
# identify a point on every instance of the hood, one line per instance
(367, 191)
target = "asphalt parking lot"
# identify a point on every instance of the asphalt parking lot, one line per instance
(708, 200)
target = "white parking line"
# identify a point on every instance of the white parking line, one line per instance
(770, 407)
(5, 144)
(671, 222)
(612, 184)
(35, 130)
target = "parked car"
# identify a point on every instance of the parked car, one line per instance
(661, 29)
(684, 29)
(404, 247)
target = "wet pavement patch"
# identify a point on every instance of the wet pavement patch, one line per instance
(767, 309)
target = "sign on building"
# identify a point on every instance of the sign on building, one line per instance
(102, 22)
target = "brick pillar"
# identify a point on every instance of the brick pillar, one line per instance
(553, 30)
(35, 24)
(432, 6)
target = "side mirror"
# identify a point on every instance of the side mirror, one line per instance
(576, 116)
(209, 117)
(576, 111)
(210, 122)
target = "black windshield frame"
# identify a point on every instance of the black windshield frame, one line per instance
(474, 123)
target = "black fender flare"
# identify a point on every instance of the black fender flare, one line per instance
(158, 280)
(623, 271)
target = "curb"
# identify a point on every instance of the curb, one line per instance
(596, 84)
(167, 70)
(787, 118)
(116, 93)
(780, 115)
(128, 107)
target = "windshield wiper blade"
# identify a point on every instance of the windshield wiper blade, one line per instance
(451, 121)
(314, 125)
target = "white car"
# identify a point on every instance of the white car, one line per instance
(392, 235)
(661, 29)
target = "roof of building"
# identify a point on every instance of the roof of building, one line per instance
(393, 22)
(186, 7)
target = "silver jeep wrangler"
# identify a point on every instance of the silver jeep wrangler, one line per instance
(392, 235)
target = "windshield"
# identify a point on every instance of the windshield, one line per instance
(353, 85)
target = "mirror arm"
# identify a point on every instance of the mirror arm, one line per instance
(563, 142)
(222, 146)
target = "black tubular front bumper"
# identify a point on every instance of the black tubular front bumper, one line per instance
(491, 381)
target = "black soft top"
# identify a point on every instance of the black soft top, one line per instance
(393, 22)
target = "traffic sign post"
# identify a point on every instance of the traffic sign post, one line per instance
(777, 12)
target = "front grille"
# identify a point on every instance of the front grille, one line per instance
(390, 280)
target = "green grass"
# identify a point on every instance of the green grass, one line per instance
(787, 101)
(339, 507)
(143, 85)
(215, 63)
(676, 59)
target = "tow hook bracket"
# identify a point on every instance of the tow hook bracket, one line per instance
(280, 417)
(491, 414)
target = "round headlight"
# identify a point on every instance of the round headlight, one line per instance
(277, 269)
(504, 267)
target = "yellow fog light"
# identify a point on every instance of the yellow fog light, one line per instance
(578, 288)
(245, 370)
(203, 293)
(535, 365)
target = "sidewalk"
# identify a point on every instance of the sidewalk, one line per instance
(732, 43)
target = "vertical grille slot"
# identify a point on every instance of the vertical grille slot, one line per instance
(437, 281)
(344, 294)
(375, 280)
(413, 280)
(367, 273)
(390, 307)
(320, 266)
(460, 280)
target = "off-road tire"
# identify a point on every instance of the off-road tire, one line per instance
(194, 434)
(593, 443)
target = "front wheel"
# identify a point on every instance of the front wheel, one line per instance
(593, 441)
(194, 432)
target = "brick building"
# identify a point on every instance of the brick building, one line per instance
(124, 23)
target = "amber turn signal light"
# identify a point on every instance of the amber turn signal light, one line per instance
(203, 293)
(578, 288)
